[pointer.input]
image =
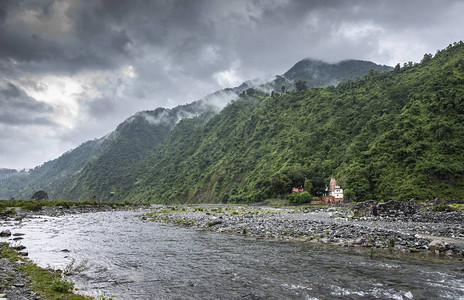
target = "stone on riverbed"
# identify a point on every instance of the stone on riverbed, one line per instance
(359, 241)
(18, 285)
(18, 248)
(5, 232)
(437, 245)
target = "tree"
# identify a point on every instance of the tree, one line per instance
(301, 86)
(40, 195)
(427, 57)
(308, 185)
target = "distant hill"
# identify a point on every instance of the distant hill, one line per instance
(6, 173)
(102, 164)
(52, 176)
(118, 162)
(121, 153)
(317, 73)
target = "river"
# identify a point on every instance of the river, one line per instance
(129, 258)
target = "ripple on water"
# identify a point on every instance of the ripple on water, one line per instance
(134, 259)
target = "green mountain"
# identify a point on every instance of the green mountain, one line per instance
(123, 151)
(113, 163)
(391, 135)
(102, 165)
(386, 135)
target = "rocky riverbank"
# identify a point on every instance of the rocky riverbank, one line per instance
(404, 227)
(13, 282)
(19, 277)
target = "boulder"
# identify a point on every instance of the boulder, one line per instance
(19, 247)
(397, 208)
(5, 232)
(437, 245)
(364, 209)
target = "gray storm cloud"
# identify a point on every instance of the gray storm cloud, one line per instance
(103, 61)
(17, 108)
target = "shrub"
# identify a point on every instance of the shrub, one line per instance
(62, 285)
(40, 195)
(294, 198)
(443, 207)
(31, 205)
(305, 197)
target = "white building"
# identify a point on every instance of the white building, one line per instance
(335, 190)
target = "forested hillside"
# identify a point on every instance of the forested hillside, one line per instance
(98, 167)
(51, 176)
(316, 73)
(120, 156)
(392, 135)
(111, 164)
(6, 173)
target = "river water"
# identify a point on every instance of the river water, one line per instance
(130, 258)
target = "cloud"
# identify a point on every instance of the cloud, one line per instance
(82, 67)
(229, 77)
(20, 109)
(30, 145)
(53, 23)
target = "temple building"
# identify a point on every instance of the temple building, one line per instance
(334, 193)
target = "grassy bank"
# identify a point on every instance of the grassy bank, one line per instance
(35, 205)
(45, 282)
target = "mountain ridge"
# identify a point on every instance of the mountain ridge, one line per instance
(386, 136)
(93, 168)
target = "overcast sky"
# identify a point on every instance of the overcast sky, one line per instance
(72, 70)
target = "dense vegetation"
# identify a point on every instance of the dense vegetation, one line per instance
(316, 73)
(397, 134)
(98, 167)
(391, 135)
(8, 207)
(108, 166)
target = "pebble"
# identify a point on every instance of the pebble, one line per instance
(18, 285)
(20, 247)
